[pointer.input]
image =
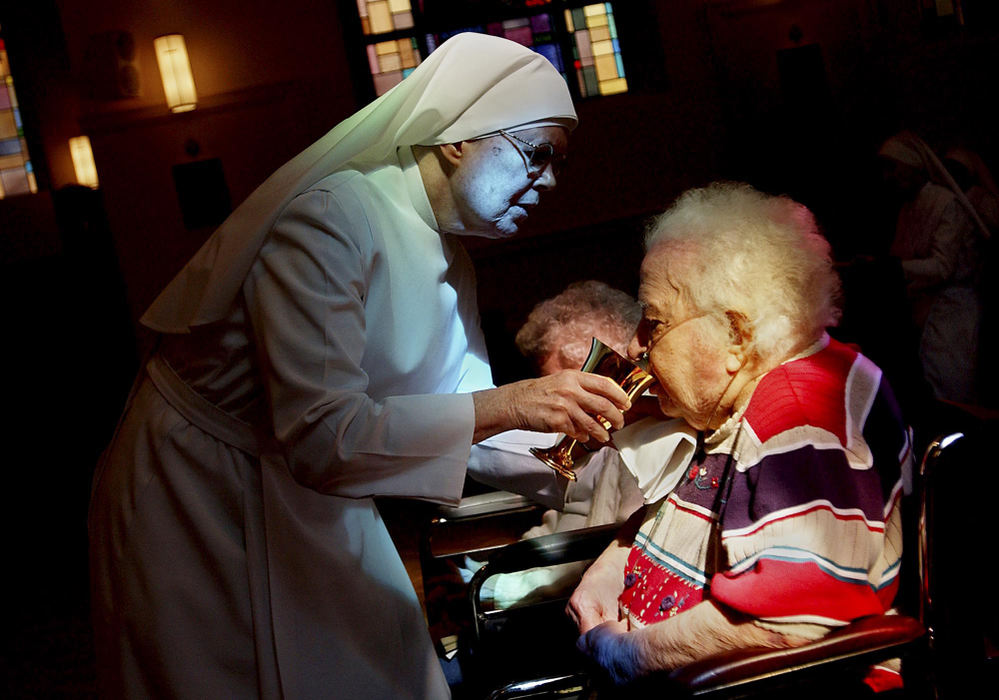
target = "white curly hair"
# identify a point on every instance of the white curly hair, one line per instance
(758, 255)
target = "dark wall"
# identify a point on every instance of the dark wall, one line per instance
(793, 96)
(273, 78)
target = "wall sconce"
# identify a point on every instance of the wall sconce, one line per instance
(83, 161)
(175, 70)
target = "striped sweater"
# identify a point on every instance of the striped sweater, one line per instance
(790, 511)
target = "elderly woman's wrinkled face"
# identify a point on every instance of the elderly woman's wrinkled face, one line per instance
(688, 351)
(495, 187)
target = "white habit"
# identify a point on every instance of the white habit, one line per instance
(315, 353)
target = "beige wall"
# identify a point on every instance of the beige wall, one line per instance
(271, 77)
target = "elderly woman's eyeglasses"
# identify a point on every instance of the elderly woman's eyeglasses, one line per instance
(538, 156)
(650, 332)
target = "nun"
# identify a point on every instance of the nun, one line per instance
(321, 349)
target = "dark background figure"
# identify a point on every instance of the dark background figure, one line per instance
(939, 240)
(976, 181)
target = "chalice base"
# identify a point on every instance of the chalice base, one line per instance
(554, 457)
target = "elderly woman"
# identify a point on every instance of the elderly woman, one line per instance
(787, 523)
(321, 349)
(557, 335)
(558, 331)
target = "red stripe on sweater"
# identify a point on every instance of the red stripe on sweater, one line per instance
(810, 387)
(777, 589)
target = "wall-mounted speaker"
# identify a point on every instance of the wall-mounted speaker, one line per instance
(110, 62)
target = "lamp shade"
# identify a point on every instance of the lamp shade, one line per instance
(83, 161)
(175, 70)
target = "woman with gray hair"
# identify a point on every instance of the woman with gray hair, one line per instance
(558, 330)
(786, 524)
(558, 335)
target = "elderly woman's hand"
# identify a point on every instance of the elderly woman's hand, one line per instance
(594, 601)
(614, 649)
(565, 402)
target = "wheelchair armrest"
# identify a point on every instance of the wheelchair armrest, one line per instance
(859, 644)
(483, 504)
(478, 525)
(548, 550)
(866, 640)
(573, 685)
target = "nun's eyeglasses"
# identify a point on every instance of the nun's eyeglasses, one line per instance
(538, 156)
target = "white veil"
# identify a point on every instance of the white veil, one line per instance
(908, 148)
(471, 86)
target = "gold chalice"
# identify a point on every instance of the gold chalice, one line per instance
(608, 363)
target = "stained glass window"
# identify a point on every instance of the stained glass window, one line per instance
(381, 16)
(579, 39)
(391, 61)
(596, 52)
(536, 32)
(16, 175)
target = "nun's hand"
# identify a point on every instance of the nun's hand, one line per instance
(568, 402)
